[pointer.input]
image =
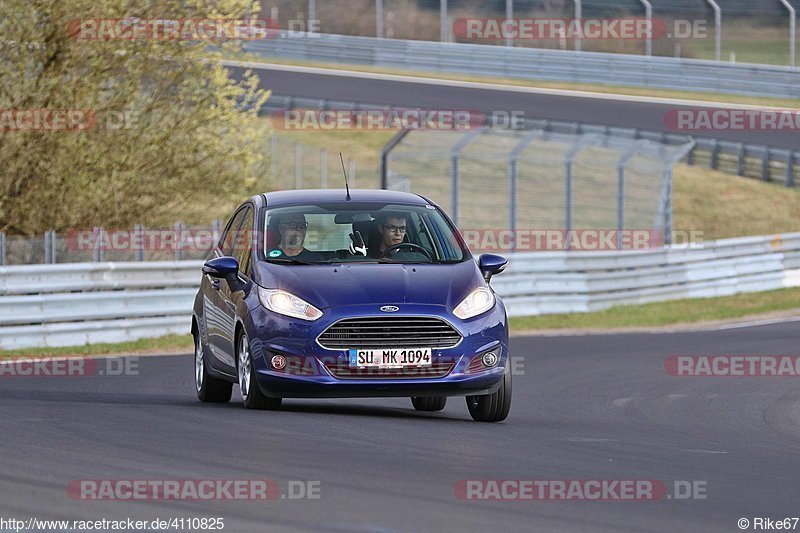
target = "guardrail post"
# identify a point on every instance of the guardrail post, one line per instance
(2, 248)
(444, 30)
(648, 10)
(323, 168)
(668, 206)
(509, 16)
(765, 164)
(715, 154)
(718, 28)
(578, 22)
(312, 15)
(690, 158)
(99, 252)
(298, 166)
(792, 32)
(790, 169)
(138, 236)
(49, 247)
(178, 241)
(740, 160)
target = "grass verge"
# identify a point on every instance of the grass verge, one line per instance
(160, 345)
(676, 312)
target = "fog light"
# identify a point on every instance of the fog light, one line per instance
(489, 359)
(278, 362)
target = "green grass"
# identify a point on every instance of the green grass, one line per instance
(751, 43)
(169, 343)
(668, 313)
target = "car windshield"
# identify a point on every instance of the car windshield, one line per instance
(360, 232)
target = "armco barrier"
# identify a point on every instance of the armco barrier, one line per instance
(85, 303)
(536, 63)
(79, 303)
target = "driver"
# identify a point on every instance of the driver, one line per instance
(292, 228)
(392, 228)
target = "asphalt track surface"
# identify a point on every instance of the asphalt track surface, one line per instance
(585, 407)
(591, 110)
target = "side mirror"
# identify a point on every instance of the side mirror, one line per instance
(491, 264)
(221, 267)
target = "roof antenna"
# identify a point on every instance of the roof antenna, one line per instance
(346, 185)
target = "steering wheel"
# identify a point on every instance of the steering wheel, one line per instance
(415, 247)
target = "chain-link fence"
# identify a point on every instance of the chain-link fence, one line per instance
(295, 165)
(535, 180)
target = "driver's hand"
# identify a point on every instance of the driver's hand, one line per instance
(358, 250)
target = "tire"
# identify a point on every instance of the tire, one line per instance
(209, 388)
(433, 403)
(252, 397)
(492, 407)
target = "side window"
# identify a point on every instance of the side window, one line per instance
(229, 236)
(243, 242)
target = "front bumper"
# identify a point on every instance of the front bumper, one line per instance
(312, 369)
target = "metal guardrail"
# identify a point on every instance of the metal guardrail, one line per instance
(575, 282)
(539, 64)
(87, 303)
(73, 304)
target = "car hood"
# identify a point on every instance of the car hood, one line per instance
(369, 283)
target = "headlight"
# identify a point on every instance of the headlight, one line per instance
(287, 304)
(478, 301)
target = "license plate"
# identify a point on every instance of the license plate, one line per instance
(390, 358)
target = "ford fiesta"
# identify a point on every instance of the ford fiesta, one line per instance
(328, 294)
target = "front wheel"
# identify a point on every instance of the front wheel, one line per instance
(209, 388)
(492, 407)
(433, 403)
(252, 397)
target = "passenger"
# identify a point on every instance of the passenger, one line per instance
(292, 228)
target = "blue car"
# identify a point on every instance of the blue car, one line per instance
(345, 294)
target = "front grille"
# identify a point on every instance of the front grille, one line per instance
(341, 370)
(389, 332)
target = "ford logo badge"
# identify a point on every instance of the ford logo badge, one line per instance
(389, 308)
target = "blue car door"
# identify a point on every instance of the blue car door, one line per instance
(218, 318)
(231, 296)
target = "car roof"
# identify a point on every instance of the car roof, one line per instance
(294, 197)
